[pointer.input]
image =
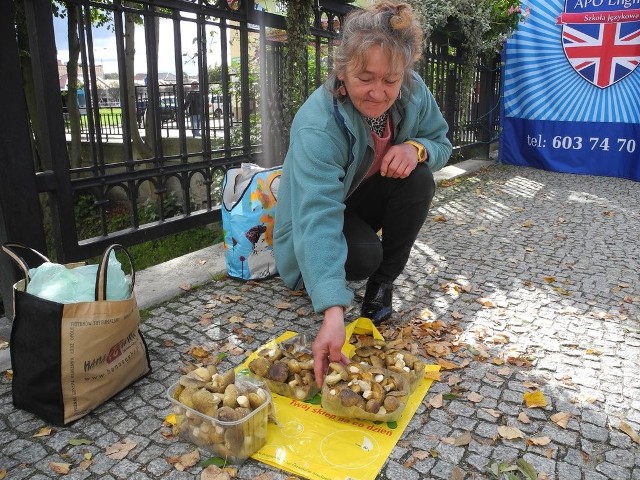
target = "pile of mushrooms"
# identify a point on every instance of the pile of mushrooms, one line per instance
(356, 390)
(287, 369)
(232, 413)
(377, 354)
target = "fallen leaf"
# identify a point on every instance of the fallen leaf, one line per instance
(539, 441)
(485, 302)
(453, 380)
(80, 441)
(436, 401)
(60, 468)
(199, 352)
(283, 306)
(439, 218)
(268, 323)
(236, 319)
(593, 351)
(529, 384)
(549, 279)
(626, 428)
(457, 474)
(3, 473)
(535, 399)
(460, 440)
(186, 287)
(509, 433)
(44, 432)
(446, 364)
(119, 450)
(561, 418)
(527, 224)
(474, 397)
(85, 464)
(457, 315)
(522, 417)
(493, 378)
(492, 412)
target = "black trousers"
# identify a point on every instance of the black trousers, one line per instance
(398, 207)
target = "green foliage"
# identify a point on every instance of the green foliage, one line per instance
(479, 27)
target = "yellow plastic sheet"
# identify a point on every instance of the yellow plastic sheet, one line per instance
(313, 444)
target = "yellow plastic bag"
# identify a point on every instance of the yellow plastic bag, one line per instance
(342, 447)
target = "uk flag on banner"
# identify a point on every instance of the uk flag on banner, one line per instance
(601, 44)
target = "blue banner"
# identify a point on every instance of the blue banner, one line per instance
(571, 88)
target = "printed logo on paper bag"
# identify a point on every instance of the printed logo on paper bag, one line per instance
(601, 38)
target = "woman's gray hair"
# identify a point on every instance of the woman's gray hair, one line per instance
(392, 25)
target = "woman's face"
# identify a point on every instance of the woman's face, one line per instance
(374, 88)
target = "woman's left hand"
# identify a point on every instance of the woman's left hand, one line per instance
(399, 161)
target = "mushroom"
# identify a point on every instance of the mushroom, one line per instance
(278, 371)
(335, 374)
(349, 398)
(260, 366)
(231, 395)
(392, 403)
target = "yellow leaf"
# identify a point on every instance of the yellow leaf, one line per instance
(44, 432)
(561, 418)
(540, 441)
(593, 351)
(562, 291)
(485, 302)
(171, 419)
(509, 432)
(549, 279)
(199, 352)
(626, 428)
(535, 399)
(439, 218)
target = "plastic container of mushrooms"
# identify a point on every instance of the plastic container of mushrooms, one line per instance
(360, 391)
(224, 414)
(287, 368)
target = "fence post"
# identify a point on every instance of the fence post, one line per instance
(485, 108)
(20, 213)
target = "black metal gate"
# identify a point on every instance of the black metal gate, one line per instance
(116, 161)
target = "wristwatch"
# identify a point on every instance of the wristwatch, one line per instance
(422, 152)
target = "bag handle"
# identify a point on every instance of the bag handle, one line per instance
(101, 274)
(360, 326)
(9, 249)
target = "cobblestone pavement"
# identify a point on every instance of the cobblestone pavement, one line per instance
(534, 276)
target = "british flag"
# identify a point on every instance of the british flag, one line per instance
(602, 53)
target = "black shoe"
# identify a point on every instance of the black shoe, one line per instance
(377, 302)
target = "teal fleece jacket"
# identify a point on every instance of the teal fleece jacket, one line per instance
(330, 151)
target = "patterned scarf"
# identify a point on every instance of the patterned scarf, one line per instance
(377, 124)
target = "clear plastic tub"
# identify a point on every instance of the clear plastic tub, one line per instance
(236, 440)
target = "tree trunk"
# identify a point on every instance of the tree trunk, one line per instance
(75, 155)
(140, 148)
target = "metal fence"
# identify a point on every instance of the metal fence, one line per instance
(133, 172)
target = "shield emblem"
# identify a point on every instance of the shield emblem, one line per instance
(602, 45)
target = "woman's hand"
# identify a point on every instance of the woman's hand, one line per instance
(399, 161)
(327, 346)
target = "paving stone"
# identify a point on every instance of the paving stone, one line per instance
(483, 245)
